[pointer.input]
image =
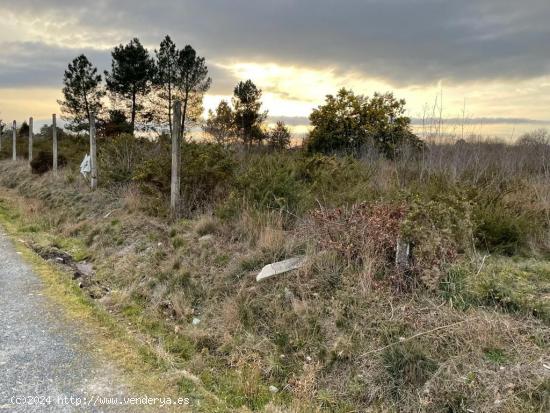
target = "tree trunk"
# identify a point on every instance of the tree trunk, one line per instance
(133, 121)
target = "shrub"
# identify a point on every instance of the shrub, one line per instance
(270, 182)
(206, 175)
(364, 230)
(43, 162)
(118, 157)
(439, 230)
(501, 230)
(349, 123)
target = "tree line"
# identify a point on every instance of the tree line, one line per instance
(141, 88)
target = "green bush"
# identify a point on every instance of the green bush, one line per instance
(270, 182)
(43, 162)
(439, 229)
(501, 230)
(118, 157)
(207, 172)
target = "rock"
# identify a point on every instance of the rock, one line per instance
(280, 267)
(84, 268)
(273, 389)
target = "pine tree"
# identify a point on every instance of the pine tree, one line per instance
(166, 76)
(279, 137)
(82, 93)
(248, 118)
(192, 83)
(132, 72)
(221, 124)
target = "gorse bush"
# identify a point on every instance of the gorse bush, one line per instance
(120, 156)
(207, 172)
(43, 162)
(439, 230)
(270, 182)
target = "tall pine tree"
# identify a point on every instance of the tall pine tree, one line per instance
(192, 82)
(132, 72)
(248, 118)
(82, 93)
(165, 80)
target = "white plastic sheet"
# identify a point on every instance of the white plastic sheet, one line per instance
(86, 166)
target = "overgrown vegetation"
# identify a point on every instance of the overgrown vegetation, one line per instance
(464, 327)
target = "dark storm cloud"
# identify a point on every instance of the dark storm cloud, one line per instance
(402, 41)
(29, 64)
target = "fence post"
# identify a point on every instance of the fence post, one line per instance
(54, 137)
(93, 152)
(176, 161)
(14, 140)
(31, 136)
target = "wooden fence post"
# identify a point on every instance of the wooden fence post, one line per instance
(54, 137)
(31, 136)
(14, 140)
(93, 152)
(176, 161)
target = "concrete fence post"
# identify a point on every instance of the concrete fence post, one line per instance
(54, 137)
(93, 152)
(14, 141)
(176, 161)
(31, 137)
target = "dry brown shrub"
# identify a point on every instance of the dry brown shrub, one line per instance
(363, 229)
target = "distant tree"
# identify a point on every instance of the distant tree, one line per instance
(82, 93)
(46, 131)
(248, 118)
(220, 124)
(2, 126)
(349, 122)
(279, 137)
(165, 79)
(24, 129)
(132, 71)
(535, 138)
(192, 82)
(116, 124)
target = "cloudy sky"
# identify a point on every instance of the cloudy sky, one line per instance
(491, 57)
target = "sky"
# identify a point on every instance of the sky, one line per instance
(473, 59)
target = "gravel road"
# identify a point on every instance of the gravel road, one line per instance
(41, 351)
